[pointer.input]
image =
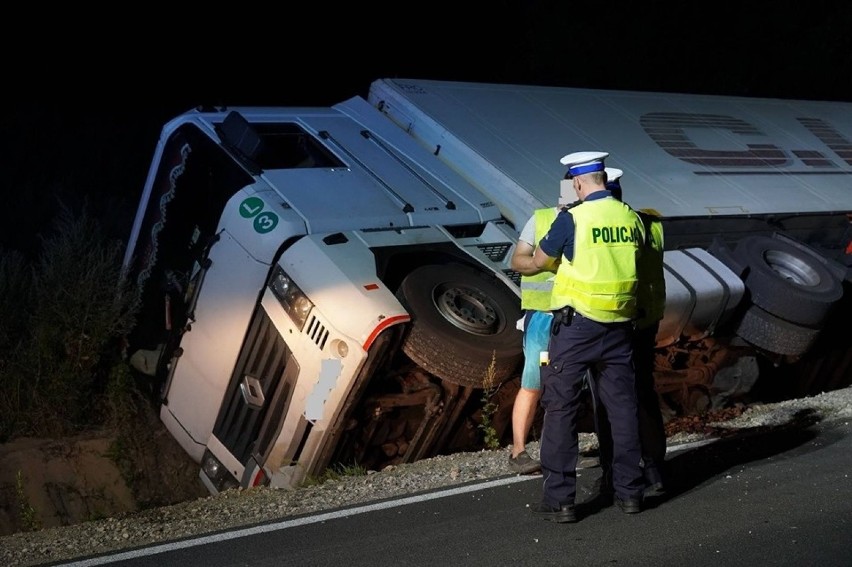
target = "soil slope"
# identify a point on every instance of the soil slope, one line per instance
(47, 483)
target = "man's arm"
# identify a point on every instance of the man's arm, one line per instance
(541, 260)
(522, 259)
(557, 244)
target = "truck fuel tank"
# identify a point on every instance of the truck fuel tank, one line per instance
(701, 294)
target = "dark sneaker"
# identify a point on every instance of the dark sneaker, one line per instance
(562, 515)
(629, 505)
(524, 464)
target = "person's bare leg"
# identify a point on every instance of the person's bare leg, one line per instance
(523, 413)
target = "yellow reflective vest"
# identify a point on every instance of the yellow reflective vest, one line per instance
(536, 290)
(600, 282)
(651, 293)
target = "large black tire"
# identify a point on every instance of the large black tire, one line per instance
(788, 282)
(772, 334)
(461, 319)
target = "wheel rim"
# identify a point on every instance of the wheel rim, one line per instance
(467, 308)
(792, 269)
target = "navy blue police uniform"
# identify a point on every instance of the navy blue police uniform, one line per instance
(578, 344)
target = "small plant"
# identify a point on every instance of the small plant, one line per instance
(489, 408)
(335, 472)
(28, 515)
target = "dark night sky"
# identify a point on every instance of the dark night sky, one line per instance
(85, 99)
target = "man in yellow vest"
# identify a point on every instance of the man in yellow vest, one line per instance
(594, 305)
(651, 302)
(536, 285)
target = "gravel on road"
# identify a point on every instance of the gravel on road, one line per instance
(235, 508)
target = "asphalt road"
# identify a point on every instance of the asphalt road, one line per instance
(781, 497)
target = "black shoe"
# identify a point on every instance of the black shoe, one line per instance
(629, 505)
(562, 515)
(654, 485)
(655, 490)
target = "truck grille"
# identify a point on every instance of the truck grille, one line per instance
(258, 394)
(495, 252)
(514, 276)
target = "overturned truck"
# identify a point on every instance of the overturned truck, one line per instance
(331, 286)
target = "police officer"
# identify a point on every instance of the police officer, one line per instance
(651, 303)
(594, 305)
(651, 299)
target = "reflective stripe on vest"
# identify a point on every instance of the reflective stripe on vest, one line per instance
(601, 281)
(536, 290)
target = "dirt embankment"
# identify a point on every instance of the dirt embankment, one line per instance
(47, 483)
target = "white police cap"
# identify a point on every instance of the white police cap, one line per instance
(613, 174)
(580, 163)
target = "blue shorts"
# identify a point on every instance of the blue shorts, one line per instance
(536, 339)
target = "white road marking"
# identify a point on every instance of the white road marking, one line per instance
(283, 525)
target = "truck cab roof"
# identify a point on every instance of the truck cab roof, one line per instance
(331, 166)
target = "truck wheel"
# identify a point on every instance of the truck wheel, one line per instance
(772, 334)
(788, 282)
(461, 318)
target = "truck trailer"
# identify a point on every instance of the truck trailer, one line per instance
(331, 286)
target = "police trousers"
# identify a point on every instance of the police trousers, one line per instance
(652, 432)
(606, 347)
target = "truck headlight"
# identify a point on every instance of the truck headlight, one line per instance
(294, 302)
(219, 476)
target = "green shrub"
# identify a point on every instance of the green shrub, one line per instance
(15, 296)
(127, 413)
(69, 311)
(27, 515)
